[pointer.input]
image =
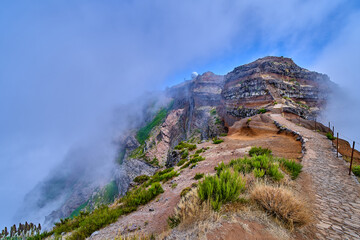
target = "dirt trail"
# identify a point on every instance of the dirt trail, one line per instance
(337, 203)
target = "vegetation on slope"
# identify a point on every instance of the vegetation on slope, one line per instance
(84, 224)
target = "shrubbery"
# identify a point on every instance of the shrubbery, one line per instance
(141, 178)
(291, 166)
(221, 189)
(330, 136)
(183, 145)
(217, 140)
(198, 176)
(259, 151)
(356, 170)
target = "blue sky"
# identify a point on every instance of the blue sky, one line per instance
(65, 65)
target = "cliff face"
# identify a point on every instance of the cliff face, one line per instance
(207, 106)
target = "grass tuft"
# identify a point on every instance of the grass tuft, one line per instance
(282, 204)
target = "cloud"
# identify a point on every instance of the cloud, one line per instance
(340, 60)
(65, 66)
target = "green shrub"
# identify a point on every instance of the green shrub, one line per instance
(185, 165)
(174, 185)
(163, 176)
(183, 145)
(330, 136)
(217, 140)
(259, 151)
(258, 173)
(185, 191)
(200, 151)
(356, 170)
(262, 110)
(291, 166)
(181, 162)
(142, 195)
(262, 163)
(275, 173)
(141, 178)
(198, 176)
(221, 189)
(184, 154)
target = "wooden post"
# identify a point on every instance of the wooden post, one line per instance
(333, 131)
(315, 124)
(337, 144)
(352, 155)
(329, 126)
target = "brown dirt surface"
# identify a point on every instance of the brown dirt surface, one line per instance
(260, 131)
(152, 217)
(345, 150)
(246, 230)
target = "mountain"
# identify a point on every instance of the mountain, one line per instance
(238, 104)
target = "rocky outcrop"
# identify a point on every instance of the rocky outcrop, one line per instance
(130, 169)
(209, 104)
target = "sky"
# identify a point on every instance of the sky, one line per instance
(66, 65)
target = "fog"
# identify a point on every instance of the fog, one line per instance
(67, 66)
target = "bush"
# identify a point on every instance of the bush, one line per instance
(181, 162)
(262, 163)
(258, 173)
(291, 166)
(163, 176)
(259, 151)
(198, 176)
(356, 170)
(330, 136)
(142, 195)
(262, 110)
(221, 189)
(199, 151)
(141, 178)
(184, 154)
(183, 145)
(217, 140)
(282, 204)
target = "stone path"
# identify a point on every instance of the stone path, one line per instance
(337, 194)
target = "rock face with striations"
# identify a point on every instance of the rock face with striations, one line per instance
(207, 105)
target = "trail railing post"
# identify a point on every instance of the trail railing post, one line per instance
(352, 155)
(329, 127)
(337, 144)
(315, 124)
(333, 130)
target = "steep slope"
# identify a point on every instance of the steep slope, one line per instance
(212, 105)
